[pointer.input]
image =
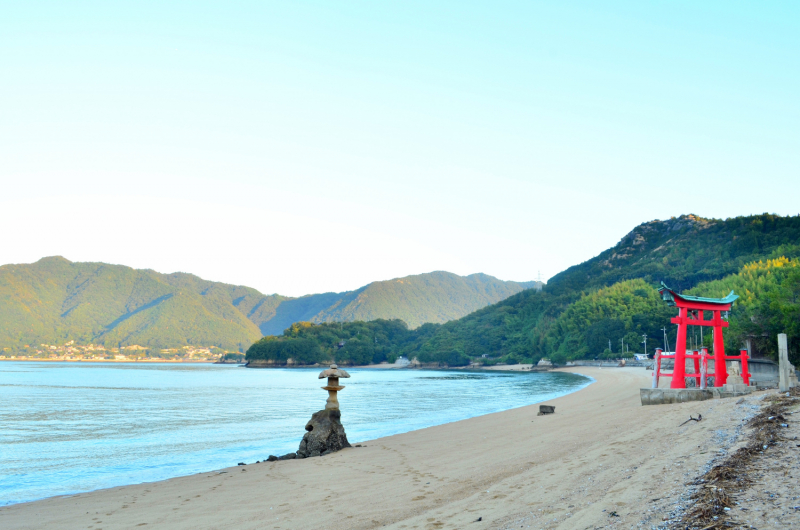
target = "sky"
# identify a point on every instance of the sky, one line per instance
(301, 147)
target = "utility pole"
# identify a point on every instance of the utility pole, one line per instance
(645, 342)
(609, 345)
(622, 346)
(666, 344)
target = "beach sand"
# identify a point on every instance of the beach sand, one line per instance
(602, 460)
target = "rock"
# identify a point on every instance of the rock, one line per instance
(272, 458)
(241, 464)
(325, 434)
(289, 456)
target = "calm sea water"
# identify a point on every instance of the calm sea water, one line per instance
(73, 427)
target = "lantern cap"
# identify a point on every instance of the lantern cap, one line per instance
(333, 371)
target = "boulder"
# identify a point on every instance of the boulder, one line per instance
(546, 409)
(325, 434)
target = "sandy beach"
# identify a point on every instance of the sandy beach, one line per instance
(601, 461)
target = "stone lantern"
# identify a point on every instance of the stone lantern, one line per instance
(333, 374)
(324, 431)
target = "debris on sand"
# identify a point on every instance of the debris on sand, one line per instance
(712, 498)
(698, 418)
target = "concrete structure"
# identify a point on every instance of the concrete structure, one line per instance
(764, 373)
(783, 363)
(663, 396)
(735, 385)
(787, 377)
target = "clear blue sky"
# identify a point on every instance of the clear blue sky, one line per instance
(317, 146)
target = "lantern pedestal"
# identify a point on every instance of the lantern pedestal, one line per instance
(325, 434)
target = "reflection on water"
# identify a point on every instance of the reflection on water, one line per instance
(456, 377)
(71, 427)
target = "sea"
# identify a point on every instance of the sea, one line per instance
(67, 428)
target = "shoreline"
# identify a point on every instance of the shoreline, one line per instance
(356, 437)
(597, 454)
(111, 361)
(381, 366)
(501, 367)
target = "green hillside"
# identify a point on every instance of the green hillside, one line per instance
(55, 301)
(345, 343)
(684, 251)
(433, 297)
(579, 310)
(769, 303)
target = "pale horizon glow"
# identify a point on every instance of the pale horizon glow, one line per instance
(304, 148)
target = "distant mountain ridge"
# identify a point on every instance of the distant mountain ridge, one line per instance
(55, 300)
(432, 297)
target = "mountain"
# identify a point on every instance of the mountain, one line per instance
(433, 297)
(55, 300)
(685, 251)
(613, 295)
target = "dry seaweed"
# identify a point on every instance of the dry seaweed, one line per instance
(721, 482)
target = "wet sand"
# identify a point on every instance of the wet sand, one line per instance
(602, 460)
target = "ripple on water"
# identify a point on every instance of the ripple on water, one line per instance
(69, 427)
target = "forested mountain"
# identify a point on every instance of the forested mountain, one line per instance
(434, 297)
(684, 251)
(55, 300)
(347, 343)
(769, 303)
(613, 296)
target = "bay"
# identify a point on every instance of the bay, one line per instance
(73, 427)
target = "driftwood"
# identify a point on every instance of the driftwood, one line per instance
(698, 418)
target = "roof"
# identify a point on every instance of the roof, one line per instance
(669, 296)
(333, 371)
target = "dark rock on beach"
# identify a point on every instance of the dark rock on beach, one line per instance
(325, 434)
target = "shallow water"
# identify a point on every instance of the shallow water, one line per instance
(73, 427)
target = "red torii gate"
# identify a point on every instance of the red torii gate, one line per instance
(690, 313)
